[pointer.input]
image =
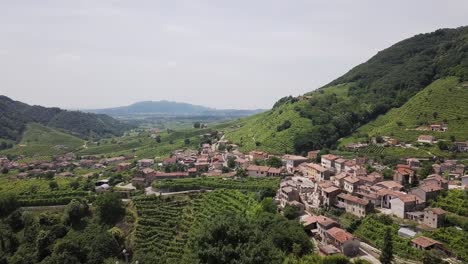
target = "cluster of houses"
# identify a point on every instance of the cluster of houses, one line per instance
(62, 165)
(345, 184)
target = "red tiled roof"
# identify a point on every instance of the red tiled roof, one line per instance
(331, 189)
(329, 157)
(425, 241)
(351, 179)
(407, 198)
(339, 234)
(325, 221)
(430, 187)
(316, 167)
(352, 198)
(437, 211)
(390, 184)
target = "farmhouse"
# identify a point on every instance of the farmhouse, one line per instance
(144, 163)
(292, 161)
(328, 161)
(403, 174)
(317, 172)
(344, 241)
(262, 171)
(425, 243)
(354, 205)
(426, 139)
(350, 184)
(434, 217)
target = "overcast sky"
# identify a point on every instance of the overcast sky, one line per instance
(223, 54)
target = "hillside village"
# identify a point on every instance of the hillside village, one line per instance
(312, 185)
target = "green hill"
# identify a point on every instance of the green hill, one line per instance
(44, 141)
(388, 80)
(444, 101)
(15, 115)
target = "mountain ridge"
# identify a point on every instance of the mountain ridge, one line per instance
(165, 107)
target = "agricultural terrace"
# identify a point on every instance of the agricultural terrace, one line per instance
(269, 184)
(165, 226)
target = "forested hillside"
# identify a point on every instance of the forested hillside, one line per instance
(388, 80)
(14, 116)
(443, 101)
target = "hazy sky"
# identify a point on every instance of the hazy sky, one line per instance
(223, 54)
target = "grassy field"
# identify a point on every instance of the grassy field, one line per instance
(445, 100)
(40, 142)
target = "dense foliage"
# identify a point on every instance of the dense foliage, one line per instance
(14, 116)
(55, 237)
(386, 81)
(455, 201)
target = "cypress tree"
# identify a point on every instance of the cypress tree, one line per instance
(387, 251)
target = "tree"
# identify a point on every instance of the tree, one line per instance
(196, 125)
(109, 208)
(53, 185)
(268, 205)
(8, 204)
(442, 145)
(75, 211)
(231, 162)
(187, 141)
(225, 169)
(274, 162)
(291, 212)
(233, 238)
(158, 139)
(386, 257)
(5, 170)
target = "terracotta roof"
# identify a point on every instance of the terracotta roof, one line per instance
(294, 157)
(339, 234)
(147, 170)
(341, 176)
(325, 221)
(430, 187)
(309, 220)
(425, 137)
(352, 198)
(425, 242)
(437, 211)
(329, 157)
(274, 170)
(316, 167)
(340, 160)
(407, 198)
(404, 171)
(351, 179)
(390, 184)
(436, 177)
(325, 184)
(331, 189)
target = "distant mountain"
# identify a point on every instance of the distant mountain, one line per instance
(168, 108)
(386, 81)
(15, 115)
